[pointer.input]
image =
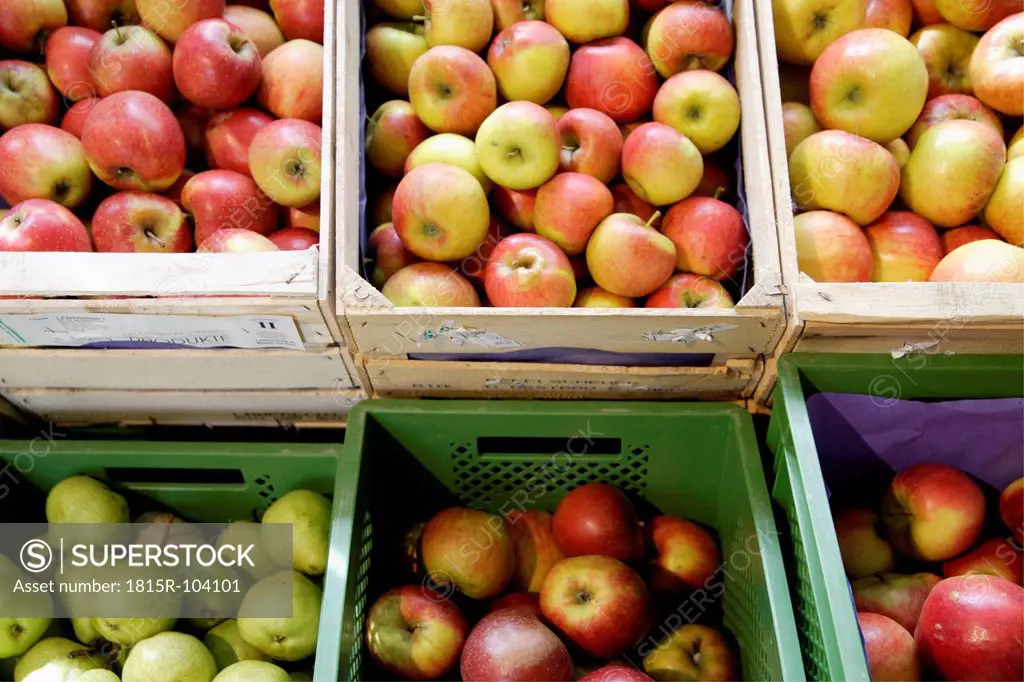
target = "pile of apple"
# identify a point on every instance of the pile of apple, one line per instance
(564, 585)
(546, 159)
(967, 624)
(899, 160)
(148, 126)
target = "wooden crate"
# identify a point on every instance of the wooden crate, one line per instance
(384, 336)
(922, 318)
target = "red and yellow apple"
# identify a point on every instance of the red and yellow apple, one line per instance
(300, 19)
(995, 556)
(596, 297)
(511, 645)
(997, 66)
(293, 81)
(597, 518)
(440, 212)
(591, 143)
(232, 240)
(67, 61)
(452, 149)
(294, 239)
(24, 24)
(952, 108)
(216, 65)
(1004, 211)
(693, 652)
(171, 19)
(391, 50)
(26, 95)
(516, 206)
(535, 547)
(709, 235)
(798, 124)
(284, 159)
(98, 15)
(466, 548)
(702, 105)
(463, 23)
(452, 90)
(895, 596)
(137, 222)
(43, 162)
(628, 202)
(687, 290)
(257, 25)
(976, 15)
(832, 248)
(1011, 508)
(131, 58)
(628, 257)
(614, 76)
(528, 271)
(946, 51)
(530, 60)
(220, 199)
(660, 164)
(687, 36)
(864, 551)
(904, 247)
(584, 21)
(389, 254)
(42, 225)
(804, 29)
(965, 234)
(228, 135)
(982, 261)
(687, 555)
(890, 649)
(430, 285)
(568, 209)
(895, 15)
(508, 12)
(392, 133)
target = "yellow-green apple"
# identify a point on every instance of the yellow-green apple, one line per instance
(616, 672)
(466, 548)
(392, 133)
(933, 512)
(686, 290)
(401, 9)
(952, 108)
(294, 239)
(895, 596)
(660, 164)
(42, 225)
(804, 28)
(895, 15)
(293, 81)
(98, 15)
(440, 212)
(1011, 508)
(795, 83)
(709, 236)
(257, 25)
(569, 206)
(904, 247)
(596, 297)
(597, 518)
(627, 202)
(861, 545)
(284, 158)
(391, 50)
(518, 145)
(831, 248)
(535, 547)
(516, 206)
(455, 150)
(965, 234)
(43, 162)
(464, 23)
(74, 117)
(798, 124)
(300, 19)
(628, 257)
(138, 222)
(890, 649)
(1015, 147)
(233, 240)
(509, 644)
(687, 555)
(216, 65)
(525, 602)
(614, 76)
(584, 21)
(389, 254)
(995, 556)
(693, 652)
(971, 629)
(26, 95)
(871, 83)
(988, 260)
(530, 60)
(845, 173)
(415, 633)
(946, 51)
(900, 151)
(952, 171)
(474, 266)
(430, 285)
(381, 208)
(715, 182)
(170, 20)
(977, 15)
(228, 135)
(221, 199)
(131, 58)
(452, 90)
(67, 61)
(24, 24)
(997, 67)
(925, 13)
(702, 105)
(1004, 211)
(689, 35)
(508, 12)
(133, 142)
(529, 271)
(598, 602)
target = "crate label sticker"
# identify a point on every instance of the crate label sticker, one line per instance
(77, 330)
(461, 336)
(688, 337)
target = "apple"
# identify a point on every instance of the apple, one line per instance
(530, 60)
(392, 133)
(627, 128)
(300, 19)
(284, 158)
(24, 24)
(946, 51)
(952, 108)
(475, 266)
(233, 240)
(527, 603)
(798, 124)
(171, 19)
(832, 248)
(895, 15)
(42, 225)
(871, 82)
(193, 121)
(74, 119)
(26, 95)
(440, 212)
(976, 15)
(933, 512)
(628, 257)
(693, 652)
(597, 518)
(257, 25)
(1004, 211)
(391, 50)
(953, 169)
(508, 12)
(415, 633)
(518, 145)
(591, 144)
(557, 111)
(702, 105)
(452, 149)
(535, 548)
(463, 23)
(569, 207)
(400, 9)
(628, 202)
(689, 35)
(971, 629)
(516, 647)
(687, 555)
(220, 199)
(516, 206)
(133, 142)
(1015, 147)
(840, 172)
(584, 21)
(227, 137)
(529, 271)
(925, 13)
(67, 61)
(997, 68)
(965, 234)
(994, 556)
(131, 58)
(861, 544)
(293, 81)
(660, 164)
(709, 235)
(98, 15)
(616, 672)
(380, 209)
(1011, 508)
(137, 222)
(614, 76)
(466, 548)
(389, 254)
(216, 65)
(715, 182)
(890, 649)
(431, 285)
(452, 90)
(596, 297)
(174, 191)
(43, 162)
(899, 150)
(687, 290)
(804, 29)
(982, 261)
(904, 247)
(899, 597)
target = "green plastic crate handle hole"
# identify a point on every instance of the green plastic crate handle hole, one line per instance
(532, 445)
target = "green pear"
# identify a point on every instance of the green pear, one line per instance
(252, 671)
(129, 631)
(54, 659)
(97, 676)
(302, 676)
(8, 568)
(310, 516)
(164, 607)
(85, 630)
(283, 639)
(30, 615)
(212, 605)
(246, 533)
(169, 657)
(227, 646)
(81, 499)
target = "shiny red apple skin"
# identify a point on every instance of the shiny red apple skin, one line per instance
(74, 118)
(389, 254)
(995, 556)
(891, 651)
(965, 234)
(131, 58)
(616, 672)
(27, 96)
(295, 239)
(516, 206)
(895, 596)
(904, 247)
(138, 222)
(42, 225)
(614, 76)
(527, 270)
(43, 162)
(293, 81)
(598, 518)
(24, 23)
(216, 65)
(228, 135)
(687, 290)
(591, 144)
(527, 603)
(220, 199)
(710, 237)
(687, 555)
(98, 15)
(67, 61)
(511, 646)
(569, 207)
(234, 240)
(300, 19)
(1011, 508)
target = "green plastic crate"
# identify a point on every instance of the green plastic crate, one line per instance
(825, 615)
(405, 460)
(201, 482)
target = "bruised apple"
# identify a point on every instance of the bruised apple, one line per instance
(535, 547)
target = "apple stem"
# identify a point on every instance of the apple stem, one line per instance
(653, 219)
(117, 30)
(419, 19)
(719, 191)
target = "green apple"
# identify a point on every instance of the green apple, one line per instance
(519, 146)
(702, 105)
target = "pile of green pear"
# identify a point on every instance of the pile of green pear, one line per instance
(142, 649)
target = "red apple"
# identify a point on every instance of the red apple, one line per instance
(430, 285)
(977, 15)
(628, 202)
(693, 652)
(295, 239)
(529, 60)
(710, 237)
(67, 61)
(441, 212)
(687, 290)
(474, 266)
(952, 108)
(861, 545)
(304, 216)
(452, 90)
(74, 119)
(715, 182)
(529, 271)
(689, 35)
(895, 596)
(1011, 508)
(171, 20)
(26, 95)
(895, 15)
(535, 547)
(591, 144)
(946, 51)
(137, 222)
(389, 254)
(904, 247)
(687, 555)
(216, 65)
(994, 556)
(300, 19)
(392, 133)
(527, 603)
(660, 164)
(511, 646)
(25, 23)
(569, 207)
(925, 13)
(41, 225)
(891, 652)
(174, 191)
(232, 240)
(614, 76)
(515, 206)
(832, 248)
(988, 260)
(467, 549)
(996, 68)
(293, 81)
(284, 158)
(965, 234)
(98, 15)
(228, 135)
(629, 257)
(131, 58)
(597, 518)
(257, 25)
(596, 297)
(616, 672)
(193, 121)
(43, 162)
(220, 199)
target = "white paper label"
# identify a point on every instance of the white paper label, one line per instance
(688, 337)
(75, 330)
(461, 336)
